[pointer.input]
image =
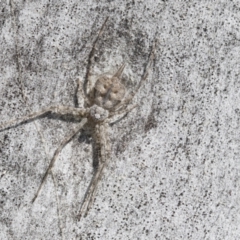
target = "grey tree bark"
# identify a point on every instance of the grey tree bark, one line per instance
(174, 170)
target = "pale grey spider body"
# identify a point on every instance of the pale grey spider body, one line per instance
(102, 102)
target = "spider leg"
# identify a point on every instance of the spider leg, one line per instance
(80, 93)
(91, 191)
(62, 110)
(86, 82)
(103, 154)
(56, 153)
(131, 95)
(122, 111)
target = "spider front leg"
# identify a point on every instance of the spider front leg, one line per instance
(56, 153)
(61, 110)
(103, 151)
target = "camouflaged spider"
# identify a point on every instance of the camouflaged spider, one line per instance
(104, 101)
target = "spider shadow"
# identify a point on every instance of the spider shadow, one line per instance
(86, 137)
(50, 116)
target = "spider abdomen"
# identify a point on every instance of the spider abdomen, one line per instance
(108, 92)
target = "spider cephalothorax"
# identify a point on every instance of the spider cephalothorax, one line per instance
(98, 114)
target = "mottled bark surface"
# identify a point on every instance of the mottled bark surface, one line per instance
(174, 171)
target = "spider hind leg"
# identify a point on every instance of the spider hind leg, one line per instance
(124, 103)
(87, 83)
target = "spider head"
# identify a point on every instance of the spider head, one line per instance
(98, 114)
(109, 91)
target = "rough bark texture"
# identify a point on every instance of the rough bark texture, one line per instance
(174, 172)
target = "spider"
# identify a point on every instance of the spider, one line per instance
(105, 100)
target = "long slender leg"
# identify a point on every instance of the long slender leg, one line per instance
(103, 154)
(122, 111)
(91, 60)
(131, 95)
(80, 93)
(58, 206)
(62, 110)
(59, 149)
(91, 190)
